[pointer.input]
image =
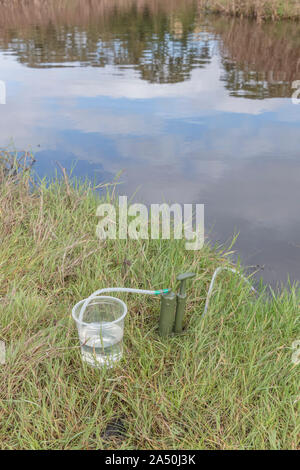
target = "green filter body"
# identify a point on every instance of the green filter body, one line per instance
(167, 313)
(180, 308)
(181, 301)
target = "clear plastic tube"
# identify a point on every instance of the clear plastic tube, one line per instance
(217, 271)
(158, 292)
(118, 289)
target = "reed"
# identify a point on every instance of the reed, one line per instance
(259, 9)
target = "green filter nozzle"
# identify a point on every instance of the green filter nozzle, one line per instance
(167, 313)
(181, 301)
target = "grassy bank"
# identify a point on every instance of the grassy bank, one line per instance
(259, 9)
(227, 383)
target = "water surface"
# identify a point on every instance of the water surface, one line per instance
(193, 109)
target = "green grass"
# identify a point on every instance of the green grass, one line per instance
(227, 383)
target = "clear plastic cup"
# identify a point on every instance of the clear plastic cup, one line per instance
(101, 330)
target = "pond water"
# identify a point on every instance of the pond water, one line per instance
(193, 108)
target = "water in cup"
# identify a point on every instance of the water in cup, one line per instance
(101, 346)
(100, 325)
